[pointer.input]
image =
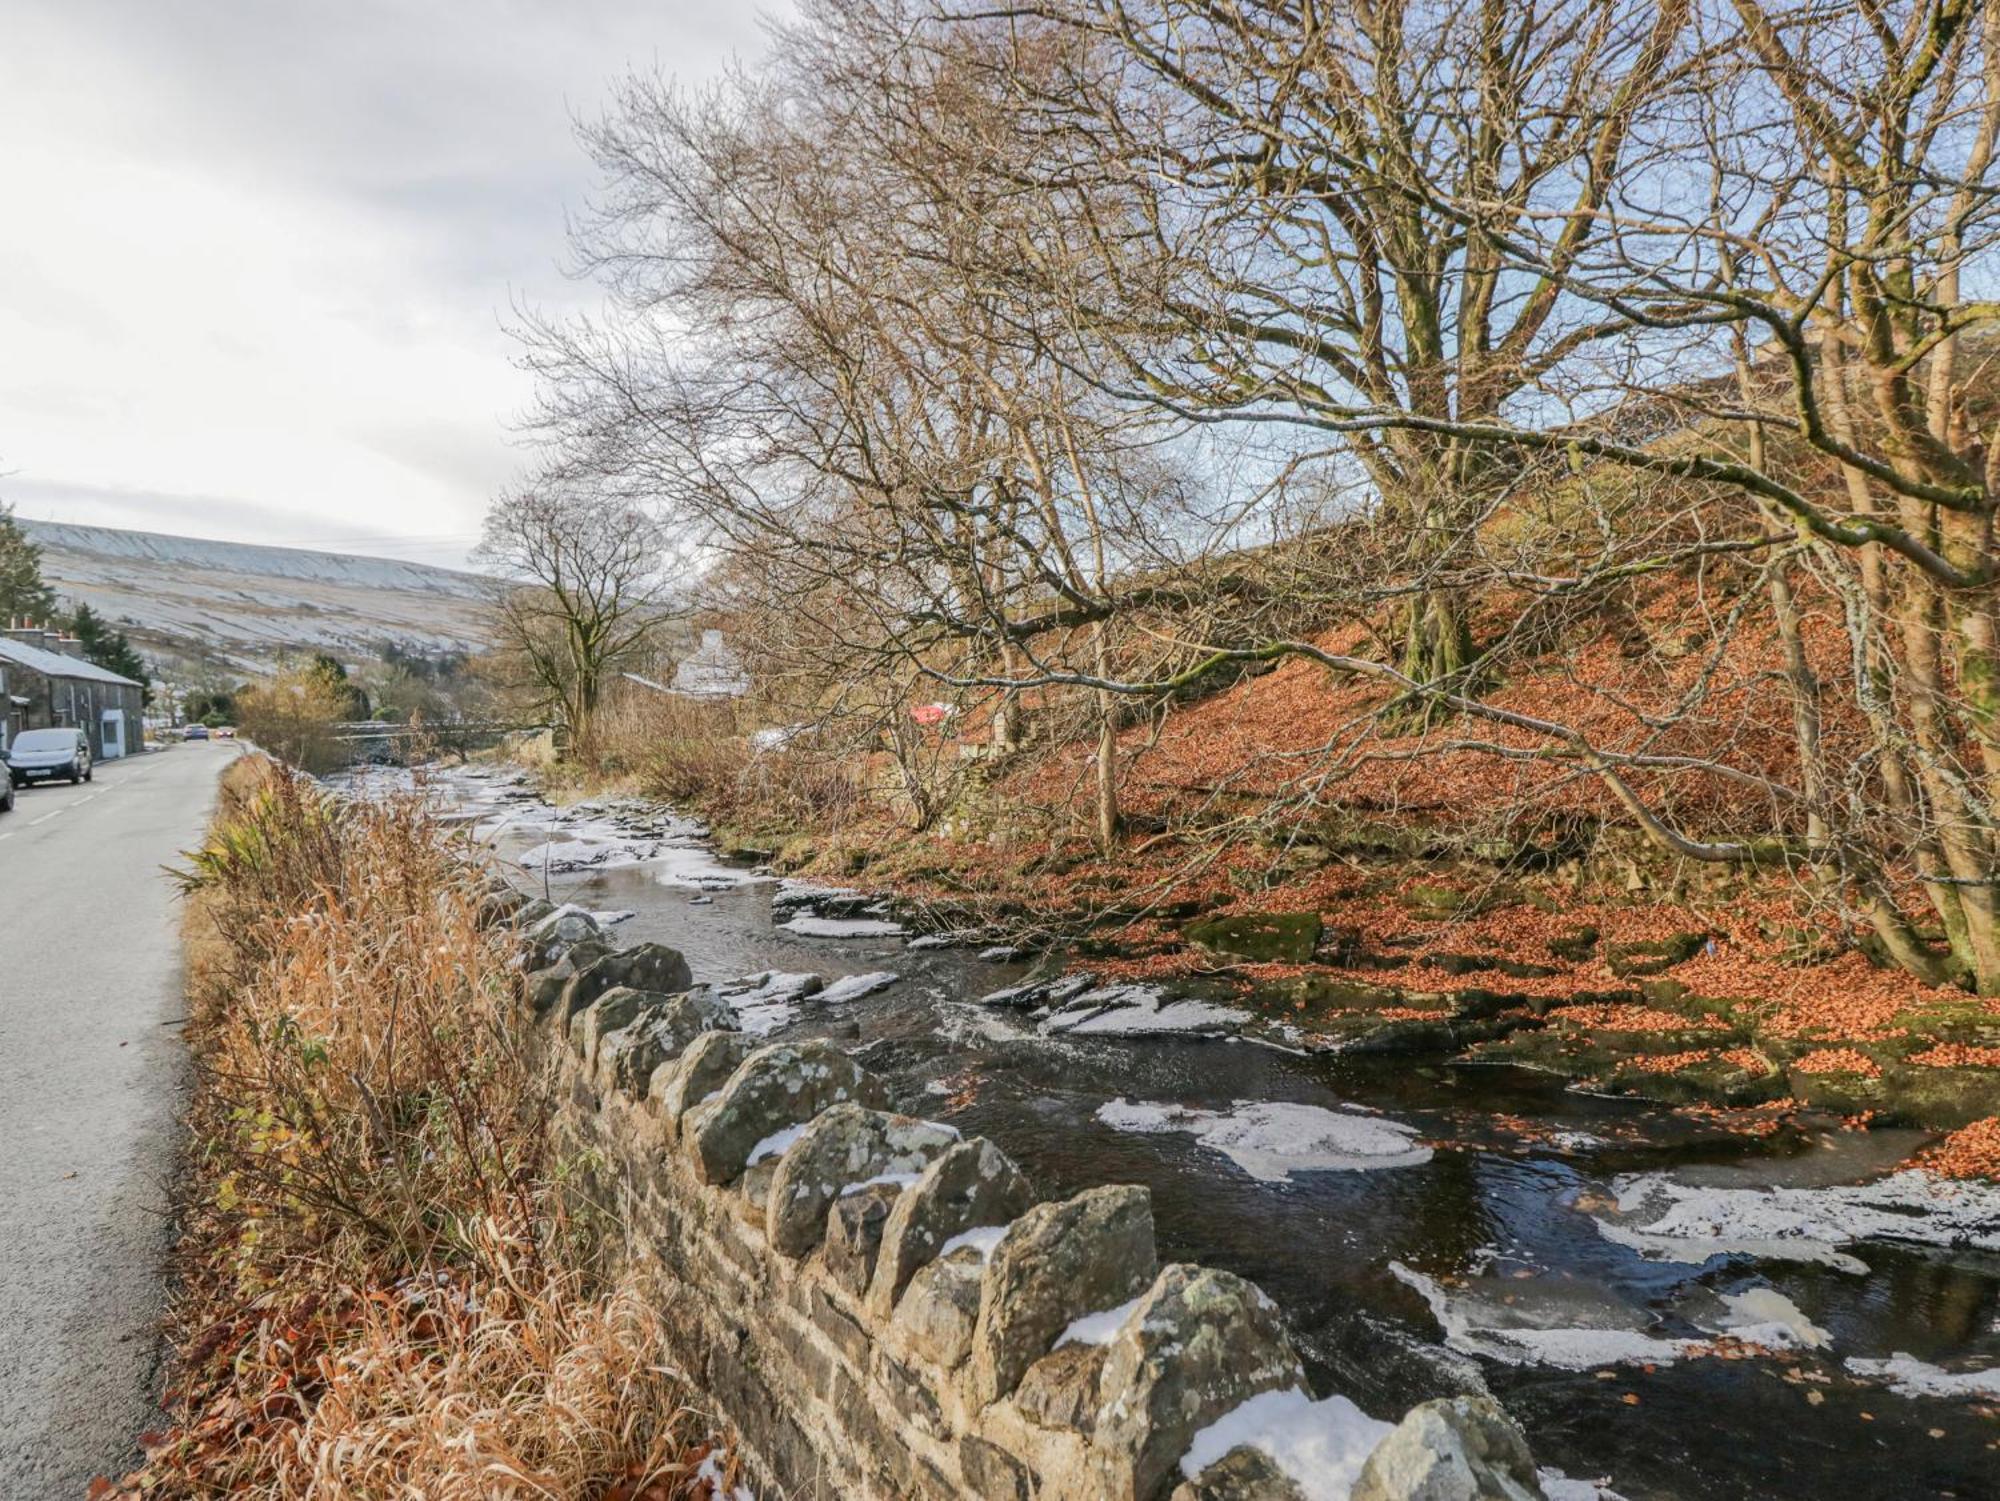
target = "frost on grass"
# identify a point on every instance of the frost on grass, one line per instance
(1273, 1139)
(1668, 1220)
(1320, 1445)
(1911, 1377)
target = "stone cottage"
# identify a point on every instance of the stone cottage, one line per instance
(46, 683)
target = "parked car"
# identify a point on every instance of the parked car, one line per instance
(44, 755)
(6, 791)
(195, 732)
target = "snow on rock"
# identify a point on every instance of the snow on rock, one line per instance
(844, 927)
(1138, 1011)
(854, 987)
(612, 919)
(711, 1470)
(1911, 1377)
(1668, 1220)
(767, 1000)
(1098, 1328)
(1273, 1139)
(774, 1145)
(1557, 1486)
(982, 1238)
(1321, 1446)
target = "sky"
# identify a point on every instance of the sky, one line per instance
(258, 258)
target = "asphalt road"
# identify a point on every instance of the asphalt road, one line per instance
(91, 1073)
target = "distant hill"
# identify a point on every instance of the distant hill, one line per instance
(200, 608)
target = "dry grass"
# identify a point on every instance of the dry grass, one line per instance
(383, 1294)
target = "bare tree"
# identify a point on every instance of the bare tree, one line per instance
(584, 588)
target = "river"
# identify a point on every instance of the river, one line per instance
(1666, 1303)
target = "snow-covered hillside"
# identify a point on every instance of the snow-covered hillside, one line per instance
(192, 602)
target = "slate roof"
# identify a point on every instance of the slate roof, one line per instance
(57, 664)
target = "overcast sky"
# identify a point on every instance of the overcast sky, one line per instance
(257, 256)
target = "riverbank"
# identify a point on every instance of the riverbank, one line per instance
(380, 1287)
(1611, 1269)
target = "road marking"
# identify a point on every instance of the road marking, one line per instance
(36, 822)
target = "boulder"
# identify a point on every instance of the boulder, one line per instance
(552, 934)
(972, 1185)
(1200, 1344)
(661, 1030)
(615, 1008)
(1053, 1265)
(544, 985)
(649, 966)
(1060, 1390)
(935, 1318)
(846, 1145)
(854, 1235)
(1245, 1473)
(775, 1088)
(1453, 1449)
(700, 1072)
(1263, 937)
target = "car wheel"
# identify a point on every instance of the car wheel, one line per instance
(75, 776)
(7, 797)
(90, 771)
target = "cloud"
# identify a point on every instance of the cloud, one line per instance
(257, 259)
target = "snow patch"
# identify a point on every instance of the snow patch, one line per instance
(1521, 1332)
(981, 1239)
(1764, 1316)
(1911, 1377)
(854, 987)
(1135, 1011)
(767, 1000)
(1098, 1328)
(1320, 1445)
(775, 1144)
(1667, 1220)
(1273, 1139)
(844, 927)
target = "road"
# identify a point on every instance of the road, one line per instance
(91, 1074)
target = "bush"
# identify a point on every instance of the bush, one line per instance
(382, 1291)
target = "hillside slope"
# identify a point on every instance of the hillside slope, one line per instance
(195, 605)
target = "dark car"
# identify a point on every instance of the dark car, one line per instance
(45, 755)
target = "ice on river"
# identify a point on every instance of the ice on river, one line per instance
(767, 1000)
(1571, 1327)
(1667, 1219)
(1273, 1139)
(1916, 1378)
(854, 987)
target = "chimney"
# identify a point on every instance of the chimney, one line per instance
(65, 643)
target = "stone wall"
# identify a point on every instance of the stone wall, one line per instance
(875, 1303)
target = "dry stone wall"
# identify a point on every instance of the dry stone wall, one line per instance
(873, 1301)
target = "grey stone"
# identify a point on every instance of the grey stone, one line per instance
(993, 1473)
(664, 1027)
(553, 934)
(1055, 1264)
(703, 1067)
(854, 1235)
(971, 1186)
(546, 981)
(846, 1144)
(935, 1318)
(782, 1085)
(1453, 1449)
(615, 1008)
(1200, 1343)
(1243, 1474)
(650, 966)
(1060, 1389)
(752, 1192)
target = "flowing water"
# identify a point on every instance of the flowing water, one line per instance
(1666, 1305)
